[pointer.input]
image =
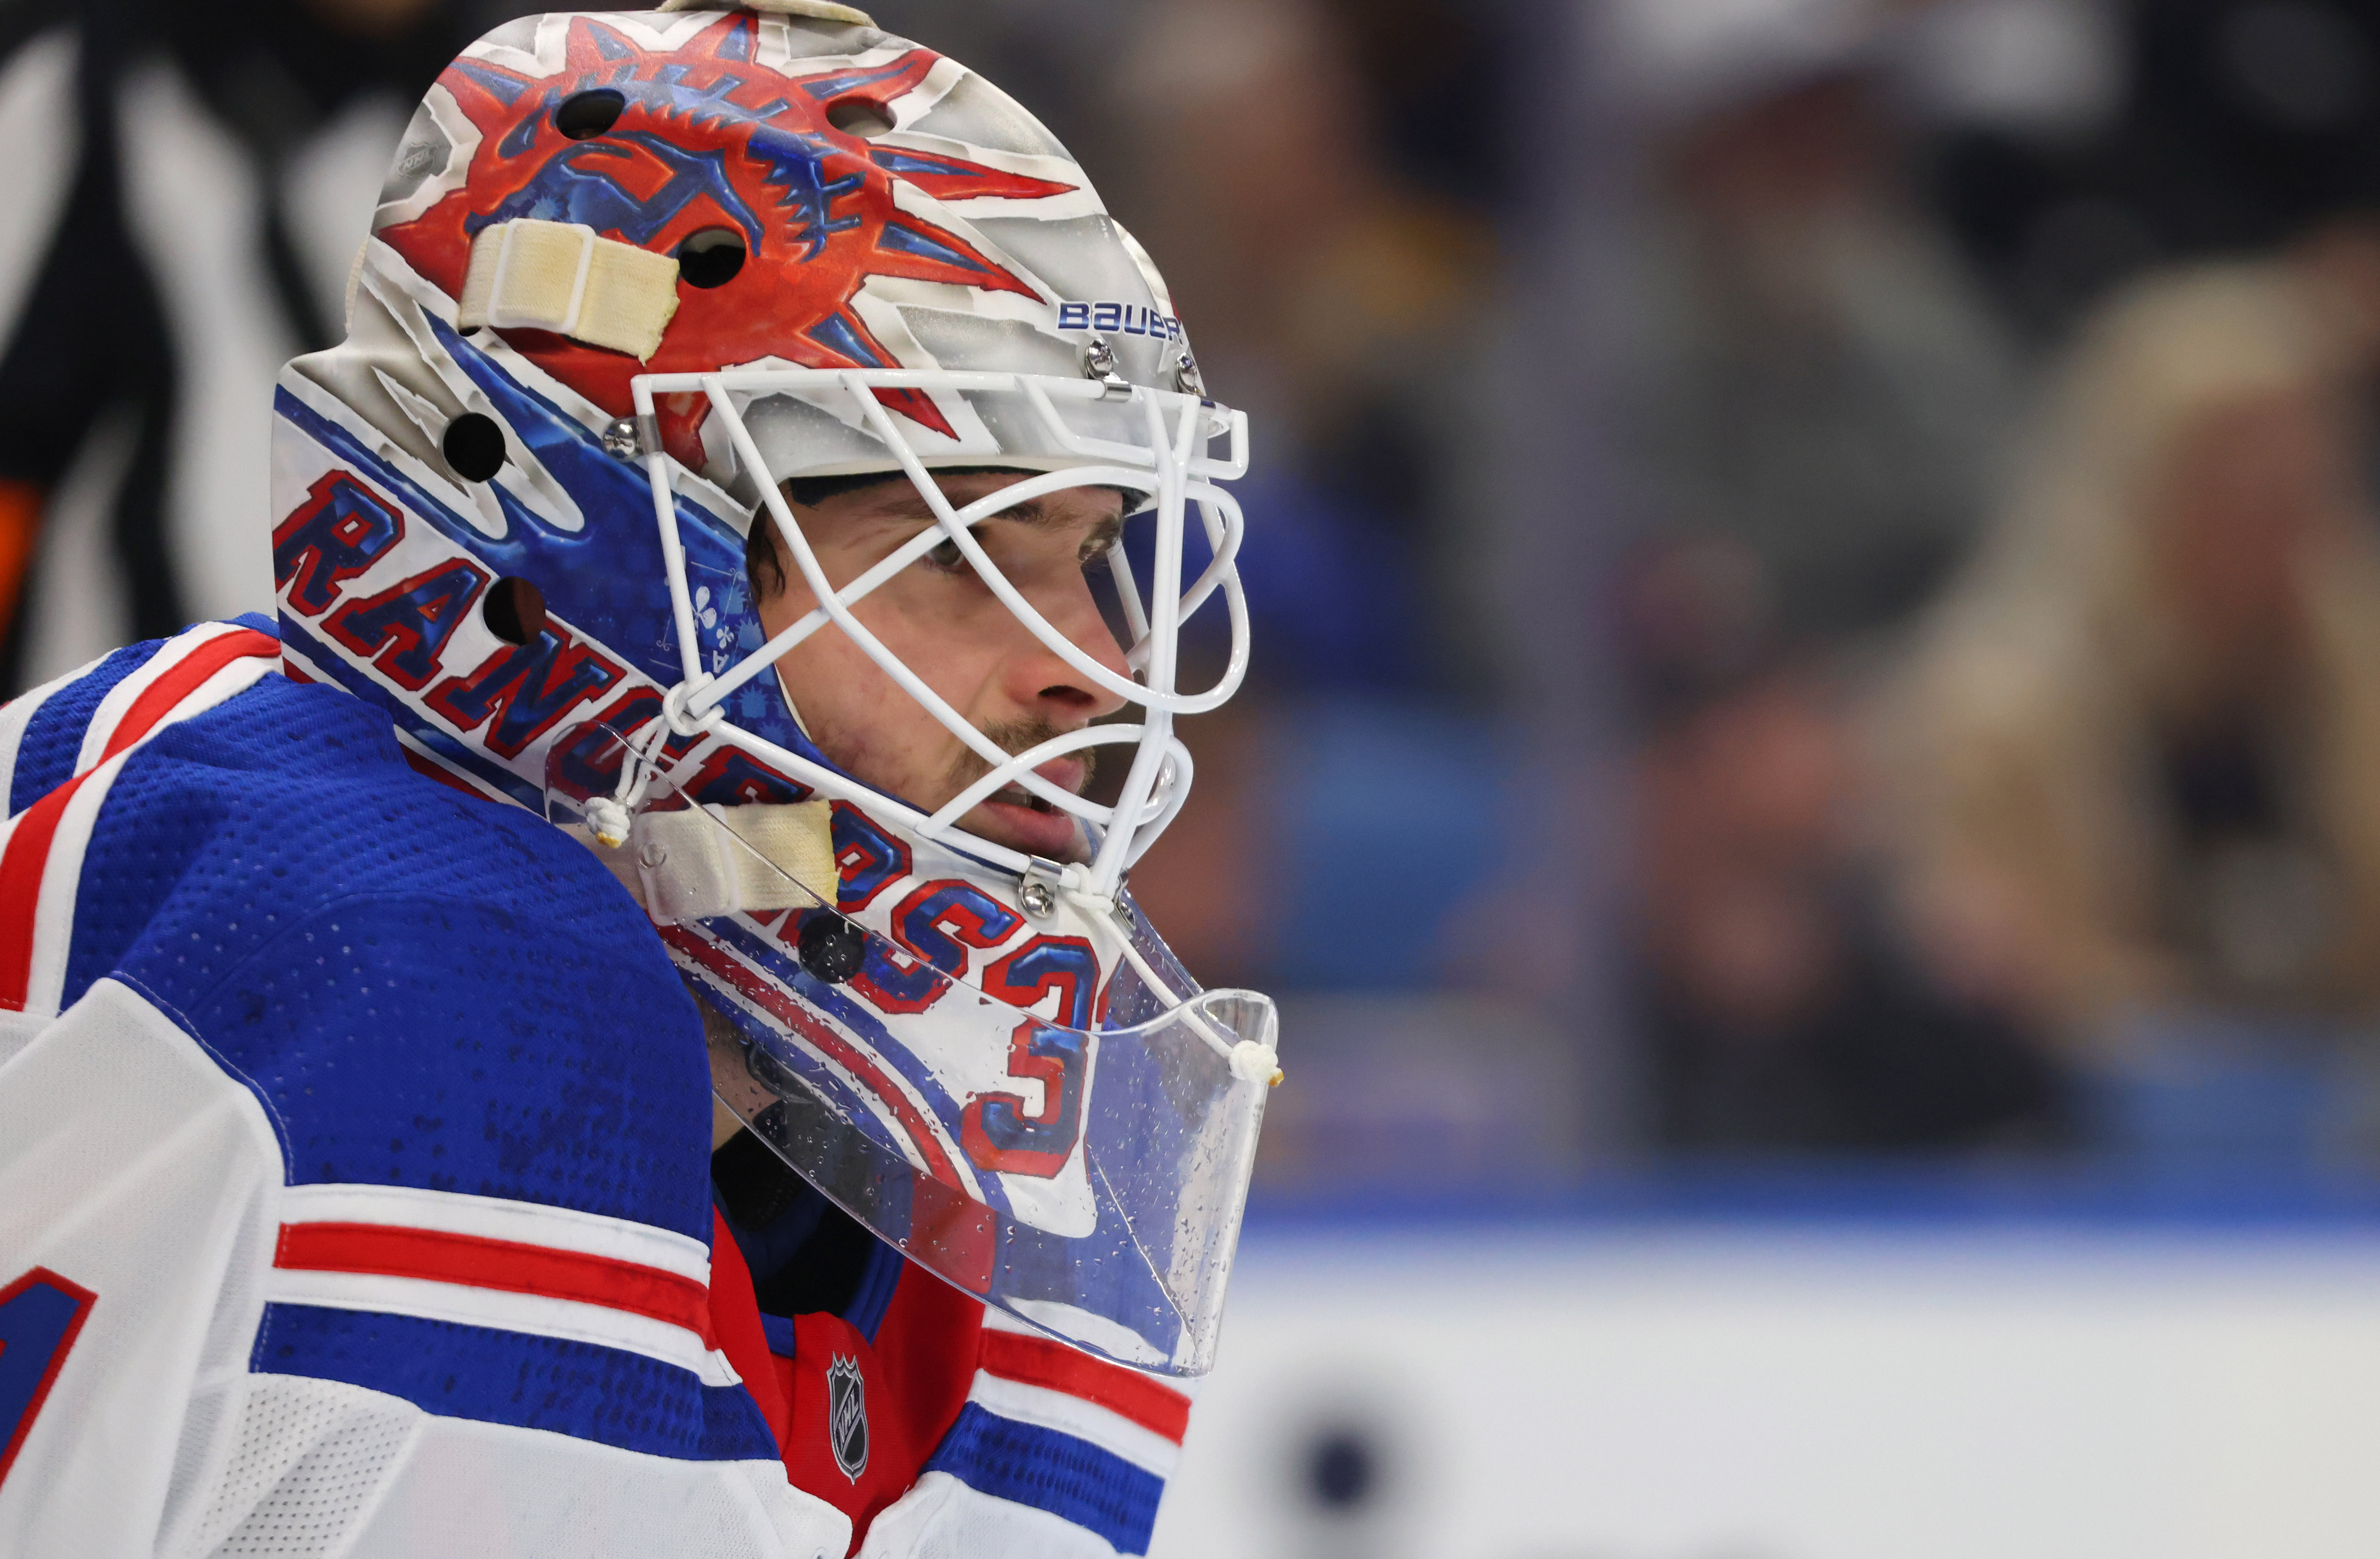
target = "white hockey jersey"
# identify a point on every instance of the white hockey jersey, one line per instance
(354, 1194)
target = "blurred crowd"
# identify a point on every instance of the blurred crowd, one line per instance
(2001, 610)
(1920, 692)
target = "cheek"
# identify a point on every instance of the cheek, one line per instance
(836, 684)
(948, 632)
(858, 713)
(857, 717)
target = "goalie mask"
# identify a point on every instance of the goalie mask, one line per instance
(630, 274)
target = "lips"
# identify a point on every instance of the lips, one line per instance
(1016, 817)
(1066, 773)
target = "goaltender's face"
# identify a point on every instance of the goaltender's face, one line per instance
(943, 622)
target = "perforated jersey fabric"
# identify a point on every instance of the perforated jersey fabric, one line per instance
(273, 871)
(378, 1123)
(307, 1458)
(45, 756)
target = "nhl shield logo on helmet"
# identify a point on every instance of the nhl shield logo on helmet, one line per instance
(846, 1415)
(633, 273)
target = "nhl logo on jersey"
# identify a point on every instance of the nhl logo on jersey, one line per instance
(846, 1415)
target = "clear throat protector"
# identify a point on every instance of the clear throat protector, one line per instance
(1022, 1091)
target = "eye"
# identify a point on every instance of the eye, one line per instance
(947, 558)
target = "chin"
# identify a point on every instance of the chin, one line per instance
(1053, 835)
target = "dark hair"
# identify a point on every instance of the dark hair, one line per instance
(763, 564)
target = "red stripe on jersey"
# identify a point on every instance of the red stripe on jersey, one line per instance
(27, 855)
(158, 698)
(20, 889)
(476, 1262)
(1040, 1362)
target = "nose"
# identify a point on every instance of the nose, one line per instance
(1043, 681)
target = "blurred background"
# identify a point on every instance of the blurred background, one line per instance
(1812, 791)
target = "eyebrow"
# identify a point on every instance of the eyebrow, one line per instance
(1035, 512)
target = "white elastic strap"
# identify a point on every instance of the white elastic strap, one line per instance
(530, 275)
(689, 865)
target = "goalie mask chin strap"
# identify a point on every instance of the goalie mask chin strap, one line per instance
(531, 275)
(684, 865)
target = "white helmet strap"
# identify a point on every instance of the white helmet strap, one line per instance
(562, 276)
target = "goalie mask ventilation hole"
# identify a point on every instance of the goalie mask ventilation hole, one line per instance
(856, 115)
(515, 610)
(831, 948)
(474, 447)
(585, 115)
(711, 257)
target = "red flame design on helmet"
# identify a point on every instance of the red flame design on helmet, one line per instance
(704, 137)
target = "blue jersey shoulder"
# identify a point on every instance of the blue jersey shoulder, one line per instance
(425, 989)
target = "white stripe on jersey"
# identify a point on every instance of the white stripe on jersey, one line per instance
(121, 698)
(18, 713)
(62, 870)
(53, 911)
(1068, 1414)
(571, 1319)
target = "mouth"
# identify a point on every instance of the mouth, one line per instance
(1016, 817)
